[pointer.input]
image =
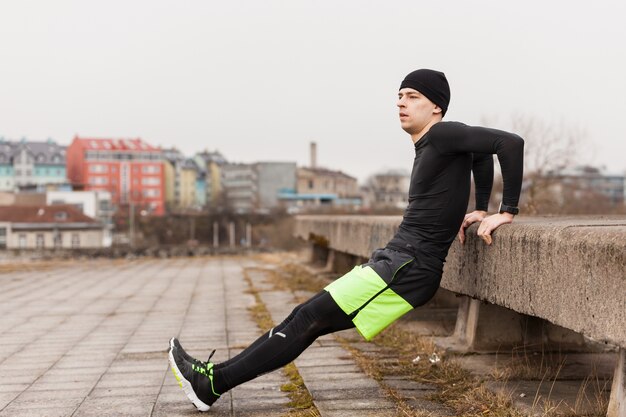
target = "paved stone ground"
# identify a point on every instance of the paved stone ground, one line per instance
(91, 339)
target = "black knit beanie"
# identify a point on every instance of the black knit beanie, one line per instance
(433, 84)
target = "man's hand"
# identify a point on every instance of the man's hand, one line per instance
(488, 224)
(491, 223)
(473, 217)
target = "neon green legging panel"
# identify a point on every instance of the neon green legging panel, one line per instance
(352, 292)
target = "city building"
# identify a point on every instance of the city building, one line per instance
(94, 204)
(240, 187)
(326, 181)
(130, 169)
(8, 198)
(200, 187)
(321, 188)
(588, 179)
(181, 185)
(42, 227)
(274, 178)
(209, 165)
(388, 190)
(29, 164)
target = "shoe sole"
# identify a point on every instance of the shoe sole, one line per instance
(184, 384)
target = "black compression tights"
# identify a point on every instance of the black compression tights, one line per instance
(318, 316)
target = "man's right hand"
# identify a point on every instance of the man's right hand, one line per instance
(473, 217)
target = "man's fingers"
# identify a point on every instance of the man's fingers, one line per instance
(484, 231)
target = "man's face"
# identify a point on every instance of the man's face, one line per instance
(416, 110)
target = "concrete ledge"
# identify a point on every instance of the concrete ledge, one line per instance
(548, 281)
(569, 271)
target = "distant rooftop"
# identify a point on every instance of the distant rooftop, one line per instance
(61, 213)
(215, 156)
(328, 172)
(98, 144)
(43, 152)
(584, 171)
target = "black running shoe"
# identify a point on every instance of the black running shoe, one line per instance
(195, 380)
(174, 343)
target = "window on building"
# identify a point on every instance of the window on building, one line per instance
(150, 169)
(57, 239)
(310, 184)
(151, 193)
(151, 181)
(39, 242)
(98, 168)
(104, 205)
(98, 180)
(3, 237)
(61, 215)
(75, 240)
(21, 240)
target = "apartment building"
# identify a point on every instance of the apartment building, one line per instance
(130, 169)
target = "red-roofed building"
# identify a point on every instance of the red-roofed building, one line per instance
(41, 226)
(130, 169)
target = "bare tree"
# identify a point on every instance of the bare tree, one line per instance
(551, 151)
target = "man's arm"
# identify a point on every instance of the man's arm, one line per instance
(482, 168)
(452, 137)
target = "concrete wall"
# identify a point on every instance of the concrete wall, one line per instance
(569, 271)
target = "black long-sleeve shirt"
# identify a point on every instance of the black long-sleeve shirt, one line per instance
(440, 182)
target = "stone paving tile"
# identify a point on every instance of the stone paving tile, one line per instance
(43, 412)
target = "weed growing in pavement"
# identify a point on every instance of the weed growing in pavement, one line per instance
(545, 367)
(301, 403)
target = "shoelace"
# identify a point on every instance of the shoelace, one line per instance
(210, 356)
(208, 361)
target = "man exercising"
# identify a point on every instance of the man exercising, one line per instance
(406, 273)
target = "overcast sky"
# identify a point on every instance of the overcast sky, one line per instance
(258, 80)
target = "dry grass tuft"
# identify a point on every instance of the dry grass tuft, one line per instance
(297, 278)
(301, 401)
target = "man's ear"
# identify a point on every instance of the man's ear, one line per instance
(437, 110)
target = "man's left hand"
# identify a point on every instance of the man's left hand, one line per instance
(491, 223)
